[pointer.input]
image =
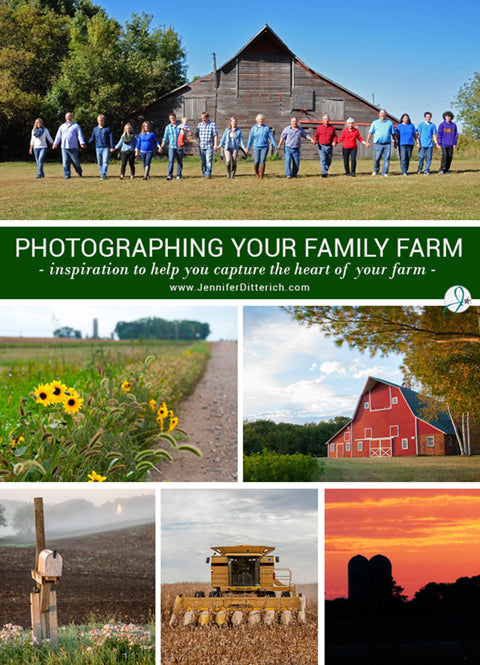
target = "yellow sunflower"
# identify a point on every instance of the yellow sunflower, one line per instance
(152, 404)
(59, 389)
(44, 394)
(126, 386)
(162, 410)
(173, 424)
(96, 477)
(72, 402)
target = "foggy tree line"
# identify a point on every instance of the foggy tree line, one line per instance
(149, 328)
(288, 438)
(77, 512)
(156, 328)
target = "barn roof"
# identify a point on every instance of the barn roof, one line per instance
(267, 31)
(416, 403)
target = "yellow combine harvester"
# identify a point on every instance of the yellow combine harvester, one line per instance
(247, 588)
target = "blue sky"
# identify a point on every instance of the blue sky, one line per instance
(294, 374)
(27, 319)
(412, 57)
(194, 520)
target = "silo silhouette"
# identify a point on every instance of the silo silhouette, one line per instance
(380, 578)
(358, 578)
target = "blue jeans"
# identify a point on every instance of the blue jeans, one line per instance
(175, 153)
(40, 158)
(70, 156)
(260, 156)
(325, 152)
(405, 154)
(206, 157)
(103, 156)
(381, 151)
(146, 158)
(292, 162)
(422, 153)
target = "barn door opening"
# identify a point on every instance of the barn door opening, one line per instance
(381, 448)
(193, 107)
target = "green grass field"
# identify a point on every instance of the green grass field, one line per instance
(405, 469)
(274, 198)
(112, 416)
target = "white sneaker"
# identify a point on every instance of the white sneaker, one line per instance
(374, 173)
(385, 175)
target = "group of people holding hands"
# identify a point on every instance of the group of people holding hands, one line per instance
(382, 133)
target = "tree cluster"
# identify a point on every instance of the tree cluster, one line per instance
(69, 55)
(67, 331)
(288, 439)
(156, 328)
(440, 349)
(468, 105)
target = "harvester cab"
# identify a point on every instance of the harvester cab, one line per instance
(246, 587)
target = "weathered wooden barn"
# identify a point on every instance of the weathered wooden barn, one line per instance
(264, 77)
(391, 421)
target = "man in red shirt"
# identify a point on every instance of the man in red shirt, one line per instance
(326, 137)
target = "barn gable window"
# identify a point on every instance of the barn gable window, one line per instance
(394, 400)
(366, 405)
(404, 444)
(303, 100)
(430, 441)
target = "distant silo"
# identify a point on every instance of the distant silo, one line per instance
(358, 578)
(95, 328)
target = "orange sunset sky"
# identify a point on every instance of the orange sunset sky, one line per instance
(428, 535)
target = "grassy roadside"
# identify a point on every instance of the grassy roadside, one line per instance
(274, 198)
(415, 469)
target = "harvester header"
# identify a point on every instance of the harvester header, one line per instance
(246, 587)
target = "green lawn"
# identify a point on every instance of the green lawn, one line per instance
(275, 198)
(397, 469)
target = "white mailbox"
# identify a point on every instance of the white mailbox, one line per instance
(50, 563)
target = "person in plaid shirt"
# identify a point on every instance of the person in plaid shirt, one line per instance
(207, 142)
(175, 151)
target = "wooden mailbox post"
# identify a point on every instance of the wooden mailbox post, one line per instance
(48, 570)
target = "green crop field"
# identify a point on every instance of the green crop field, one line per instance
(78, 411)
(274, 198)
(401, 469)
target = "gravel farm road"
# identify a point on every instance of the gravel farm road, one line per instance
(209, 416)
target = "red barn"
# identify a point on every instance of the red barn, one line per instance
(389, 421)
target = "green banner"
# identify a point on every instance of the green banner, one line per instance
(168, 262)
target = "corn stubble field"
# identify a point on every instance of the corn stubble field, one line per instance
(243, 645)
(274, 198)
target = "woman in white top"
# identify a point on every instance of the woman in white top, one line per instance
(38, 144)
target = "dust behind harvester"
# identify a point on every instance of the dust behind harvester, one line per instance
(247, 588)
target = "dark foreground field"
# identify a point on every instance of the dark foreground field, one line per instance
(108, 574)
